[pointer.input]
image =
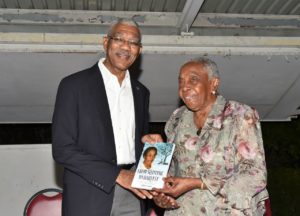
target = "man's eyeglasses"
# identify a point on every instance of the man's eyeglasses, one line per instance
(121, 41)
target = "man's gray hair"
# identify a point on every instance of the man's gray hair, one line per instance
(126, 21)
(209, 65)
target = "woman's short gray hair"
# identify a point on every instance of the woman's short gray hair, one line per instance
(125, 21)
(209, 65)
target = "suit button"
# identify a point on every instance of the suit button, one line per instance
(114, 161)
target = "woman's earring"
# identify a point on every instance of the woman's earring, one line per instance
(213, 92)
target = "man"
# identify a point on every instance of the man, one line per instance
(99, 118)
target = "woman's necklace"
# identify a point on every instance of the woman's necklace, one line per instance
(199, 123)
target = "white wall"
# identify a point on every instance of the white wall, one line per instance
(28, 88)
(24, 170)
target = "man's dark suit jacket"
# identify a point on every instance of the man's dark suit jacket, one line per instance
(83, 141)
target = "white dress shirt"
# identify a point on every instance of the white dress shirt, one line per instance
(121, 106)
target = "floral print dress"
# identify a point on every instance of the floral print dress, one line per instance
(227, 155)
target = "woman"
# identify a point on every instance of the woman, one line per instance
(218, 167)
(149, 156)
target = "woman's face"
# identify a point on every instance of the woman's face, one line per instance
(149, 157)
(194, 87)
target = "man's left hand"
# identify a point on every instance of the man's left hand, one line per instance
(125, 178)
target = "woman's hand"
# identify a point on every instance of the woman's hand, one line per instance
(152, 138)
(175, 186)
(164, 201)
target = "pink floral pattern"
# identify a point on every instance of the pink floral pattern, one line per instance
(228, 156)
(246, 151)
(190, 144)
(206, 153)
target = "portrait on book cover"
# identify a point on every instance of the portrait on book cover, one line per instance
(153, 165)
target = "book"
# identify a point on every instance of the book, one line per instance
(153, 165)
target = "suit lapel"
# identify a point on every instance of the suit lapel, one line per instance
(138, 108)
(101, 103)
(137, 103)
(99, 92)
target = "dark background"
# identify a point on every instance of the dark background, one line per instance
(281, 142)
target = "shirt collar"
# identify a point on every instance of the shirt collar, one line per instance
(216, 116)
(108, 76)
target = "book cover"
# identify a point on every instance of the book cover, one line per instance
(153, 165)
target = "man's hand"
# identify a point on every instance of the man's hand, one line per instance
(175, 186)
(152, 138)
(125, 178)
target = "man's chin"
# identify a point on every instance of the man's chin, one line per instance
(124, 67)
